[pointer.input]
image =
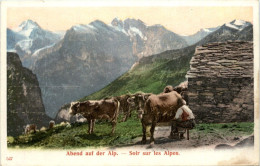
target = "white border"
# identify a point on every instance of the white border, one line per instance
(188, 157)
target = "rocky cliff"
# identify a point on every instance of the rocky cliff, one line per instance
(24, 102)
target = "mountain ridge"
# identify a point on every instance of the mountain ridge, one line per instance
(171, 57)
(91, 56)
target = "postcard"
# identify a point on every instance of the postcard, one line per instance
(129, 83)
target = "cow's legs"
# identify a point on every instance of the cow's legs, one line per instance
(127, 115)
(144, 133)
(152, 132)
(89, 125)
(124, 118)
(113, 127)
(114, 121)
(93, 125)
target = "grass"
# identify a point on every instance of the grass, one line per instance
(75, 136)
(227, 129)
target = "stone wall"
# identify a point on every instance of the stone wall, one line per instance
(222, 99)
(220, 82)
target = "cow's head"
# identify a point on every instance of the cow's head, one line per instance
(178, 89)
(74, 108)
(138, 99)
(168, 89)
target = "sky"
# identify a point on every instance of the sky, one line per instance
(181, 20)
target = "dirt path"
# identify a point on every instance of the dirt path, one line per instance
(197, 140)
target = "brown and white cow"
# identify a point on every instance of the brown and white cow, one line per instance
(138, 101)
(125, 106)
(30, 127)
(97, 109)
(51, 124)
(160, 108)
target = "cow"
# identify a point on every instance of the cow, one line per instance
(97, 109)
(30, 127)
(125, 106)
(51, 124)
(138, 100)
(159, 108)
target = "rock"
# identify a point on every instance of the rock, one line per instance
(249, 141)
(223, 146)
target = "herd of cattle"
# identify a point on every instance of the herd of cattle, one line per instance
(151, 109)
(168, 106)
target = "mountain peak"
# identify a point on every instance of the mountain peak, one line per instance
(28, 24)
(117, 22)
(117, 19)
(133, 20)
(237, 24)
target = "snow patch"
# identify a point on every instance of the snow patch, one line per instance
(84, 28)
(135, 31)
(232, 26)
(207, 30)
(239, 22)
(43, 48)
(26, 28)
(26, 32)
(120, 29)
(11, 50)
(25, 45)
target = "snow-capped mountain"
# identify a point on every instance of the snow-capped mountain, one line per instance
(29, 37)
(91, 56)
(234, 30)
(88, 58)
(237, 24)
(226, 30)
(148, 40)
(191, 39)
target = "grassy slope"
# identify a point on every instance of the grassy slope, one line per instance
(76, 136)
(147, 77)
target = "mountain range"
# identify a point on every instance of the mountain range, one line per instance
(89, 57)
(151, 74)
(28, 38)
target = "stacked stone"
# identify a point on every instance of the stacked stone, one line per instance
(220, 82)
